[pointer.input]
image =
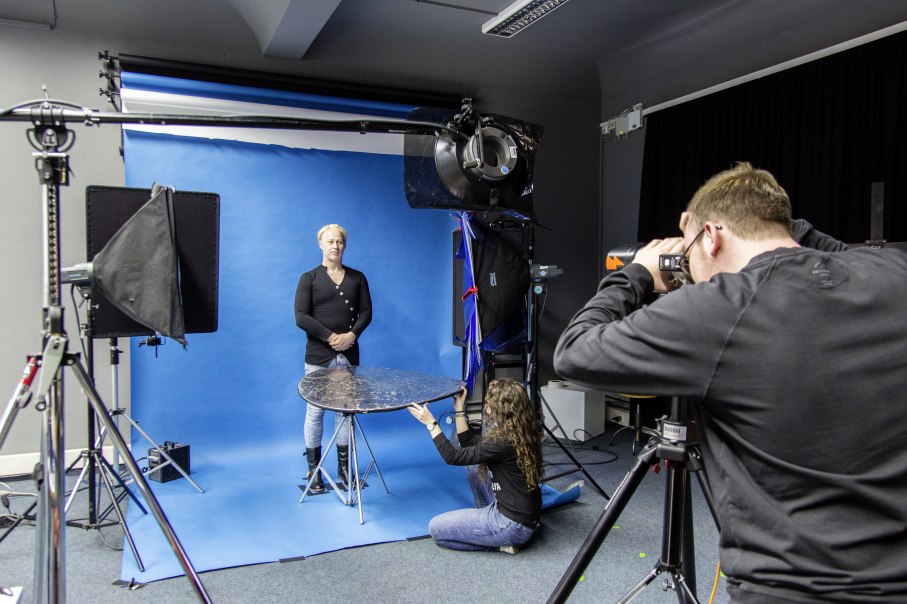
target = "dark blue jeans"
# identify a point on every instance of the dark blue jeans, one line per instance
(480, 528)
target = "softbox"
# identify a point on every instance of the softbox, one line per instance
(154, 259)
(494, 285)
(138, 271)
(488, 169)
(501, 276)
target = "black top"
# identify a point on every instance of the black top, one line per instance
(515, 500)
(798, 364)
(323, 308)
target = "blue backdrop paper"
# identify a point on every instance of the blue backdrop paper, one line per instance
(232, 395)
(238, 385)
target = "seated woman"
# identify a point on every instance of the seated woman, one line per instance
(503, 467)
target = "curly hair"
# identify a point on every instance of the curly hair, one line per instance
(509, 412)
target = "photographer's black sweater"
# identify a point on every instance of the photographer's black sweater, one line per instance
(796, 368)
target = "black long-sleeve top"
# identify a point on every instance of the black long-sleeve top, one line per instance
(324, 307)
(515, 500)
(797, 370)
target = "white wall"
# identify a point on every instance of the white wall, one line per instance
(69, 67)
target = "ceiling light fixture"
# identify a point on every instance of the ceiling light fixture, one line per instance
(518, 16)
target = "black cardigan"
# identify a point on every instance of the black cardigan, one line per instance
(323, 308)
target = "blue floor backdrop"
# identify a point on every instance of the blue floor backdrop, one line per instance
(232, 395)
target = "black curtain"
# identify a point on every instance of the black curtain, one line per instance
(827, 130)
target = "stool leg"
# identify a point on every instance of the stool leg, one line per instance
(637, 426)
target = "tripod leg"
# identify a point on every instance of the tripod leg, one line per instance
(354, 459)
(19, 399)
(601, 529)
(703, 480)
(50, 559)
(101, 411)
(100, 461)
(324, 473)
(576, 462)
(653, 574)
(18, 521)
(105, 478)
(160, 450)
(556, 422)
(372, 455)
(685, 594)
(75, 489)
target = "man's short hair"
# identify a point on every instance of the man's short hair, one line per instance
(327, 227)
(748, 200)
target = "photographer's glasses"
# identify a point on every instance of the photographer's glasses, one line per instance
(679, 264)
(684, 261)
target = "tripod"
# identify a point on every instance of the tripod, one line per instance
(355, 481)
(676, 446)
(95, 465)
(51, 139)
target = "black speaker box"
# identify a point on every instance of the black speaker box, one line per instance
(180, 455)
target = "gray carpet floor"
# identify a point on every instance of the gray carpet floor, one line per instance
(414, 571)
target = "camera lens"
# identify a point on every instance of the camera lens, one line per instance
(621, 256)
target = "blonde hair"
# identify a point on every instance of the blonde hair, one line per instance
(327, 227)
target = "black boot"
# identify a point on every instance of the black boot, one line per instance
(343, 462)
(313, 456)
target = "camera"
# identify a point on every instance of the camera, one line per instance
(674, 264)
(670, 263)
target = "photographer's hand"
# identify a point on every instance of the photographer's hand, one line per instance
(648, 257)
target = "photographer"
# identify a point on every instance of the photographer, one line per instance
(795, 362)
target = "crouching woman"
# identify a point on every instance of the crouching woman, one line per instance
(503, 468)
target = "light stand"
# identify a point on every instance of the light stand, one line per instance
(539, 278)
(677, 447)
(94, 456)
(95, 461)
(51, 139)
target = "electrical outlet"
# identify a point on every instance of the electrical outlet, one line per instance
(617, 415)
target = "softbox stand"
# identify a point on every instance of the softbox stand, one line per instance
(133, 280)
(137, 286)
(536, 288)
(51, 140)
(95, 462)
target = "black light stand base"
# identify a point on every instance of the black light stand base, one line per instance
(328, 487)
(579, 466)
